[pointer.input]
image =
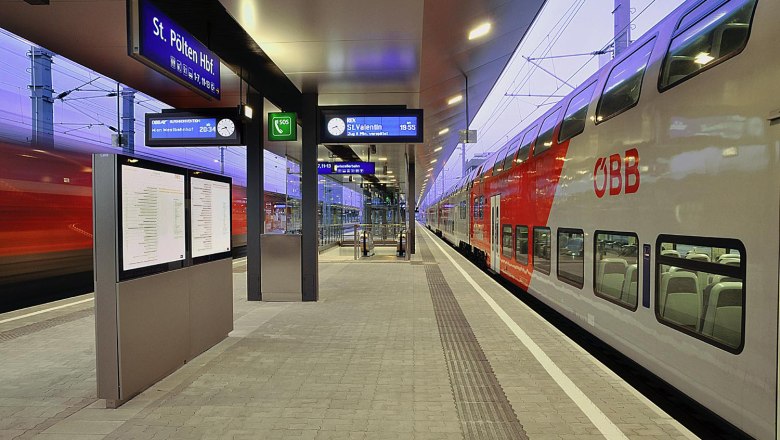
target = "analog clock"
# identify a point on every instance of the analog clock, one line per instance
(226, 127)
(336, 126)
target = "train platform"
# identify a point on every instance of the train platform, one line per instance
(430, 348)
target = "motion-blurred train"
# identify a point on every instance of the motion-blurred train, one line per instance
(46, 223)
(645, 207)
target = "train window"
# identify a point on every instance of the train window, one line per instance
(615, 272)
(481, 207)
(541, 242)
(700, 288)
(475, 207)
(574, 119)
(463, 210)
(571, 256)
(506, 240)
(509, 161)
(545, 140)
(624, 84)
(713, 39)
(521, 244)
(499, 166)
(524, 152)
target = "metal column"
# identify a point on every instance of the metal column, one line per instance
(255, 205)
(411, 198)
(128, 121)
(622, 19)
(41, 92)
(309, 253)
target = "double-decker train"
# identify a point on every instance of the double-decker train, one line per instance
(645, 207)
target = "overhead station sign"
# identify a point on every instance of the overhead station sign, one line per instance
(163, 45)
(346, 168)
(370, 125)
(210, 128)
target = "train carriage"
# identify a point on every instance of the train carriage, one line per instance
(645, 207)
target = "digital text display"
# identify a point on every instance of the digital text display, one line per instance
(153, 217)
(373, 124)
(174, 51)
(210, 204)
(346, 168)
(380, 126)
(183, 128)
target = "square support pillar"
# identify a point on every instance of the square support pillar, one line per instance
(255, 195)
(309, 244)
(411, 198)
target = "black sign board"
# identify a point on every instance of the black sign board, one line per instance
(370, 125)
(195, 128)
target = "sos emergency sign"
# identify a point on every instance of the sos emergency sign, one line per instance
(282, 126)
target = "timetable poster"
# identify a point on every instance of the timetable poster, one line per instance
(210, 208)
(153, 217)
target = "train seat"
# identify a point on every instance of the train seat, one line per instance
(610, 273)
(724, 256)
(628, 292)
(723, 315)
(679, 299)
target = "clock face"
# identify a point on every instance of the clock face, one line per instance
(226, 127)
(336, 126)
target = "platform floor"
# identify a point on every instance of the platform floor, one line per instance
(426, 349)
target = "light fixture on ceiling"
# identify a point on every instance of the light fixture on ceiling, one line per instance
(389, 172)
(444, 130)
(430, 169)
(437, 148)
(381, 158)
(455, 99)
(480, 31)
(434, 160)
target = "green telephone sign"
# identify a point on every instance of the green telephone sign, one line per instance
(282, 127)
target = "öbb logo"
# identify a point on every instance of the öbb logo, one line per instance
(616, 172)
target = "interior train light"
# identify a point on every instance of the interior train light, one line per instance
(703, 58)
(480, 31)
(444, 130)
(455, 99)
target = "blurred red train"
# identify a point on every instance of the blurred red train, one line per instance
(46, 224)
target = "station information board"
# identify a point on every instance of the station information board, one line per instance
(210, 213)
(346, 167)
(153, 224)
(212, 128)
(162, 44)
(370, 125)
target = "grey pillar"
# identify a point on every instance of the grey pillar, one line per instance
(128, 120)
(41, 91)
(255, 205)
(309, 253)
(411, 197)
(622, 18)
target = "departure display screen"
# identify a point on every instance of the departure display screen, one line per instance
(371, 125)
(153, 217)
(346, 168)
(184, 128)
(210, 204)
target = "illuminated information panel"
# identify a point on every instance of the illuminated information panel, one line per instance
(346, 168)
(371, 125)
(207, 128)
(210, 205)
(153, 217)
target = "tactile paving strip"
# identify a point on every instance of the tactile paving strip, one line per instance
(483, 409)
(29, 329)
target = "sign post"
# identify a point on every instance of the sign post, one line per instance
(160, 43)
(282, 126)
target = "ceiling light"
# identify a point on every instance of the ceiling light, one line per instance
(455, 99)
(389, 171)
(444, 130)
(430, 169)
(437, 148)
(319, 159)
(480, 31)
(382, 158)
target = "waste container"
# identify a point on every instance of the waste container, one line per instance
(280, 267)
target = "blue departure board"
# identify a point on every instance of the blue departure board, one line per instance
(346, 168)
(370, 125)
(184, 128)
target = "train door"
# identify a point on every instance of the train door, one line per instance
(495, 233)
